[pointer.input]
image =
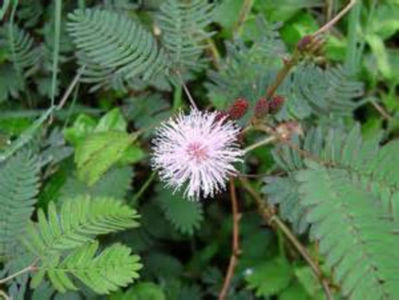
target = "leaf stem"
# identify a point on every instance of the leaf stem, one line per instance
(4, 295)
(266, 141)
(235, 243)
(143, 188)
(31, 267)
(244, 12)
(334, 20)
(276, 223)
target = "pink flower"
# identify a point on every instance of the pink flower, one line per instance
(196, 151)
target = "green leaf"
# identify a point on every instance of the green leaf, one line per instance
(115, 183)
(295, 291)
(19, 182)
(99, 152)
(112, 120)
(141, 291)
(353, 228)
(79, 221)
(270, 277)
(103, 272)
(80, 129)
(184, 214)
(380, 53)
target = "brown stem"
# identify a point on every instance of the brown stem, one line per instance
(382, 111)
(275, 222)
(282, 74)
(334, 20)
(290, 63)
(244, 12)
(329, 9)
(29, 268)
(235, 243)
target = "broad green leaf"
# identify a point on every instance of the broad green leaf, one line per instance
(82, 126)
(113, 120)
(270, 277)
(99, 152)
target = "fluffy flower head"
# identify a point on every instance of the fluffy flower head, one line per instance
(196, 151)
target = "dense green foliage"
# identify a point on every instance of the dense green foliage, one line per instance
(85, 84)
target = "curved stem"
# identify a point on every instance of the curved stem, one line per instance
(29, 268)
(334, 20)
(4, 295)
(235, 243)
(266, 141)
(273, 220)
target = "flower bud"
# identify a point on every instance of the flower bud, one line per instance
(261, 108)
(238, 109)
(305, 43)
(276, 103)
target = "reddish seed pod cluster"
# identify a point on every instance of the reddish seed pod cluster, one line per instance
(235, 112)
(263, 106)
(276, 103)
(238, 109)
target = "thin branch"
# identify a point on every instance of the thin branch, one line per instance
(288, 64)
(266, 141)
(382, 111)
(145, 186)
(334, 20)
(235, 243)
(30, 268)
(213, 52)
(273, 220)
(190, 98)
(329, 9)
(244, 12)
(4, 295)
(293, 146)
(70, 87)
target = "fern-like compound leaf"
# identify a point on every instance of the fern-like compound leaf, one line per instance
(79, 221)
(112, 43)
(103, 271)
(21, 49)
(182, 26)
(19, 183)
(324, 92)
(355, 232)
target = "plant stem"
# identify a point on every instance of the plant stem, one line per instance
(4, 295)
(276, 223)
(177, 97)
(29, 268)
(235, 243)
(266, 141)
(282, 74)
(186, 90)
(214, 53)
(329, 9)
(244, 12)
(334, 20)
(70, 87)
(57, 33)
(143, 188)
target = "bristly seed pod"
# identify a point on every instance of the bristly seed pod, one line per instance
(238, 109)
(261, 108)
(276, 103)
(304, 43)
